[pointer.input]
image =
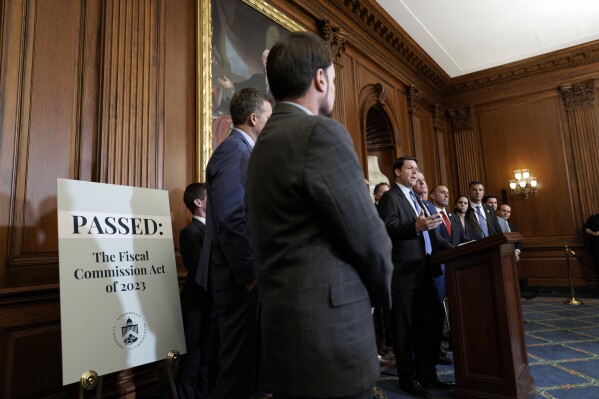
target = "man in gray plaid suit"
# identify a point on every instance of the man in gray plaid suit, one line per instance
(321, 253)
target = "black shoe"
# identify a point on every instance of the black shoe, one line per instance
(444, 361)
(413, 387)
(444, 358)
(437, 384)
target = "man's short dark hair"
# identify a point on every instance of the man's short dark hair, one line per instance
(486, 197)
(475, 182)
(193, 192)
(292, 63)
(398, 164)
(376, 188)
(246, 102)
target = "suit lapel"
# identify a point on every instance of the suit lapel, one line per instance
(406, 204)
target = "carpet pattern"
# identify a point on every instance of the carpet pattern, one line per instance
(563, 352)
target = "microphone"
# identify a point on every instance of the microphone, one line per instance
(492, 228)
(491, 225)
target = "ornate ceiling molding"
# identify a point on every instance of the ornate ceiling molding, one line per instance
(366, 15)
(565, 59)
(578, 94)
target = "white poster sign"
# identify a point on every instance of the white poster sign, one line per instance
(119, 294)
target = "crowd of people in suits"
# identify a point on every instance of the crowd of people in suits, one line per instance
(420, 223)
(287, 256)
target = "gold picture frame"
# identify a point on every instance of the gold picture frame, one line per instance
(204, 68)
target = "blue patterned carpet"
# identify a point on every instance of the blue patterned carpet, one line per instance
(563, 352)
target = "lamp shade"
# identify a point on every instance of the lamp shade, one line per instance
(518, 174)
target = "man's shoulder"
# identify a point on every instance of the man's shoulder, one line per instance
(233, 143)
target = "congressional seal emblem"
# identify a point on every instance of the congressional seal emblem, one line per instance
(129, 330)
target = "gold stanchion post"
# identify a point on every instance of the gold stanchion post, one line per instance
(571, 300)
(172, 358)
(89, 380)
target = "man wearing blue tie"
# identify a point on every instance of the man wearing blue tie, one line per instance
(416, 311)
(481, 220)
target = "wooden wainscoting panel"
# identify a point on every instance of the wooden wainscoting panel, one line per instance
(131, 93)
(529, 135)
(28, 376)
(44, 58)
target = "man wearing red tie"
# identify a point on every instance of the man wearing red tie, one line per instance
(451, 229)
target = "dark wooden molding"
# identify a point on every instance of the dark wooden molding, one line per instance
(334, 36)
(461, 119)
(371, 18)
(438, 117)
(381, 93)
(564, 59)
(375, 95)
(578, 94)
(364, 13)
(414, 99)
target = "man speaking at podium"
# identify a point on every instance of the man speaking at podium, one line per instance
(417, 314)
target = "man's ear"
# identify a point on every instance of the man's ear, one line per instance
(320, 80)
(252, 119)
(397, 172)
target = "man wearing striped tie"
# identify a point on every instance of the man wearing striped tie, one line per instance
(416, 313)
(481, 220)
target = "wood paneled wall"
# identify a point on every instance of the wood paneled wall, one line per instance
(96, 90)
(105, 90)
(548, 125)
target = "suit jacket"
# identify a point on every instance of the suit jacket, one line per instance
(458, 234)
(191, 239)
(473, 229)
(410, 266)
(227, 251)
(511, 229)
(322, 257)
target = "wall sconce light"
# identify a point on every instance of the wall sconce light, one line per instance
(524, 183)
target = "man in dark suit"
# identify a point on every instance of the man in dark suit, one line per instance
(591, 229)
(417, 313)
(421, 190)
(226, 262)
(481, 220)
(503, 215)
(451, 229)
(321, 253)
(197, 367)
(379, 190)
(504, 212)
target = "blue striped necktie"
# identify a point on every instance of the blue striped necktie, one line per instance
(482, 221)
(428, 248)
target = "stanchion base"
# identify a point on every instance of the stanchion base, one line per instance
(573, 301)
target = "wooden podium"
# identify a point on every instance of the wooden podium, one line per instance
(485, 316)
